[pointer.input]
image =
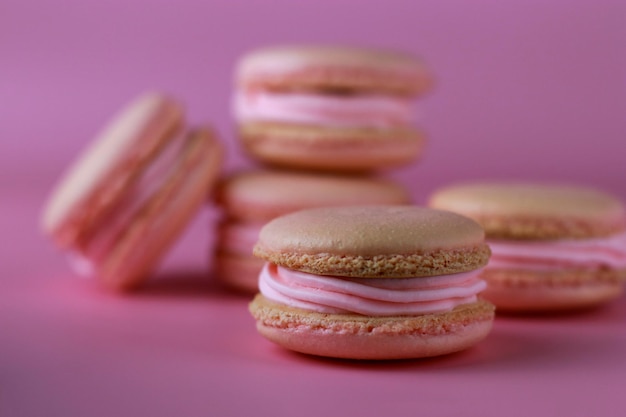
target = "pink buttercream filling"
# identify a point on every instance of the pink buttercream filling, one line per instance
(597, 253)
(369, 296)
(376, 111)
(107, 232)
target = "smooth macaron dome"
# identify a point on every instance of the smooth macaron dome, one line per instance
(131, 193)
(249, 199)
(372, 282)
(133, 138)
(265, 194)
(334, 68)
(330, 108)
(554, 247)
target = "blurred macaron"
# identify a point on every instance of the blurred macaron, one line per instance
(554, 247)
(330, 108)
(130, 194)
(249, 199)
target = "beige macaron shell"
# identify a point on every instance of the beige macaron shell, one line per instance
(264, 195)
(335, 68)
(374, 241)
(516, 290)
(534, 211)
(331, 149)
(99, 177)
(162, 220)
(354, 336)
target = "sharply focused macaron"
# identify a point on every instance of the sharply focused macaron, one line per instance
(555, 247)
(372, 282)
(330, 108)
(131, 193)
(249, 199)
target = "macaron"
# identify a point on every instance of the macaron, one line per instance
(555, 247)
(372, 282)
(330, 108)
(249, 199)
(126, 199)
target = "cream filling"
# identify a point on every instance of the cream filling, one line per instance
(369, 296)
(108, 231)
(359, 111)
(596, 253)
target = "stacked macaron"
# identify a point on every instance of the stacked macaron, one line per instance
(252, 198)
(330, 108)
(319, 114)
(555, 247)
(349, 269)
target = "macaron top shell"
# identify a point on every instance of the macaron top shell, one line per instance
(535, 211)
(101, 175)
(374, 241)
(264, 195)
(334, 68)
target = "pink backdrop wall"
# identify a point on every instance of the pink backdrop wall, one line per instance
(527, 88)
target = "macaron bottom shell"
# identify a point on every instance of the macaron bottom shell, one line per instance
(353, 336)
(331, 149)
(551, 291)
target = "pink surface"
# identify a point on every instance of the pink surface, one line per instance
(526, 89)
(185, 347)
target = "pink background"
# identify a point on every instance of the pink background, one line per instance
(526, 89)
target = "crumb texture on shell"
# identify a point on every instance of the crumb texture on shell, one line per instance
(382, 266)
(353, 336)
(374, 241)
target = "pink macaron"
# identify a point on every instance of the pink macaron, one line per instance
(123, 203)
(249, 199)
(372, 282)
(330, 108)
(555, 247)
